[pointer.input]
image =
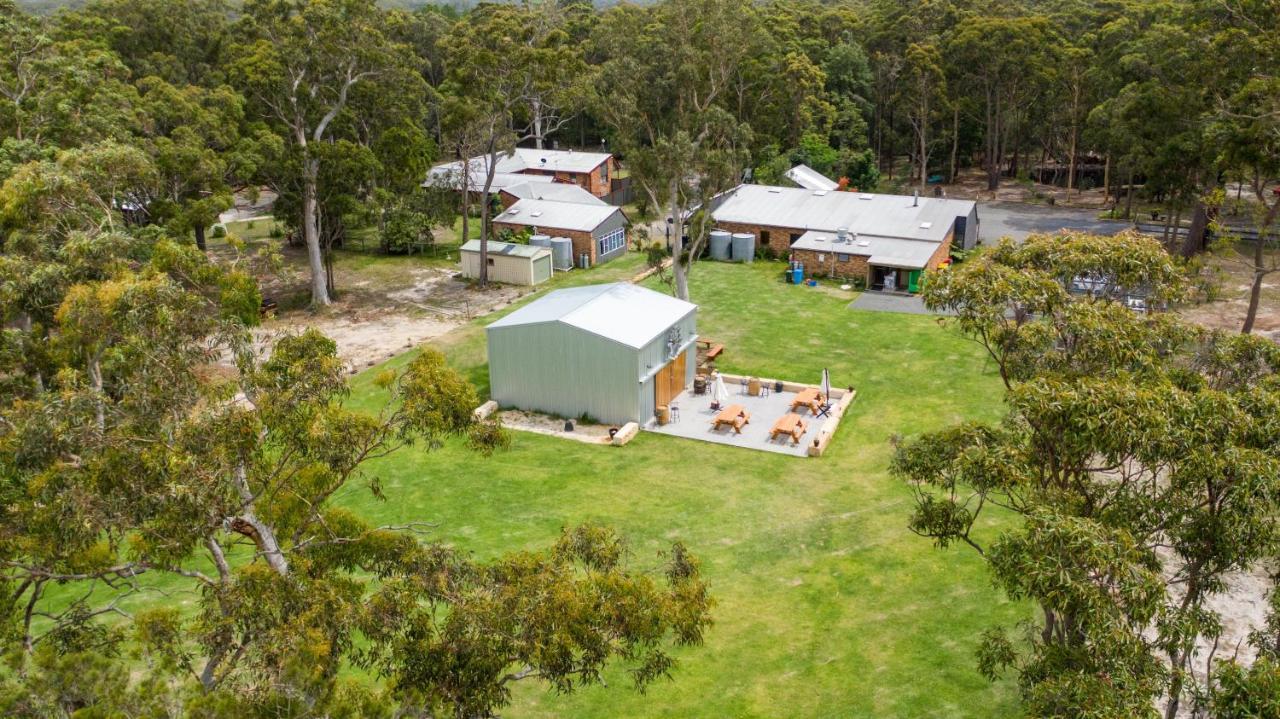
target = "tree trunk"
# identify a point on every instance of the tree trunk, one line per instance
(955, 143)
(200, 242)
(1128, 197)
(679, 270)
(536, 104)
(311, 233)
(1194, 241)
(1106, 179)
(1259, 268)
(1071, 162)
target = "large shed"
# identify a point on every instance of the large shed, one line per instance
(509, 262)
(611, 352)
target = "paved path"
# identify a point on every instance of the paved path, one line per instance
(1017, 220)
(879, 302)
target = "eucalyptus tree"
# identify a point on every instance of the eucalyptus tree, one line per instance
(667, 73)
(925, 93)
(520, 77)
(130, 466)
(1004, 61)
(1138, 460)
(300, 64)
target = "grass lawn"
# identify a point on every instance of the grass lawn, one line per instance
(827, 604)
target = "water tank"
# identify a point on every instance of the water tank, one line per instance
(561, 253)
(540, 240)
(744, 247)
(720, 244)
(584, 261)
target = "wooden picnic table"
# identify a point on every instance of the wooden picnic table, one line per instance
(792, 424)
(734, 415)
(811, 398)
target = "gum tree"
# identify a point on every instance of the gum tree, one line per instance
(1138, 460)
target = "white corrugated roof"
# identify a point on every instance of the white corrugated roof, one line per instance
(810, 179)
(885, 251)
(449, 174)
(557, 191)
(552, 215)
(507, 248)
(622, 312)
(557, 160)
(863, 213)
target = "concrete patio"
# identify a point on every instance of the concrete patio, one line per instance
(696, 415)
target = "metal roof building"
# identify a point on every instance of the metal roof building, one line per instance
(554, 191)
(611, 352)
(810, 179)
(510, 263)
(865, 214)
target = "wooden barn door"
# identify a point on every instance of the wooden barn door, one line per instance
(669, 381)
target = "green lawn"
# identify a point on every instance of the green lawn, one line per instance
(827, 605)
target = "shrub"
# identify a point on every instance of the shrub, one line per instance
(219, 231)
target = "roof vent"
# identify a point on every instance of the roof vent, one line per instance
(513, 211)
(865, 197)
(819, 193)
(536, 213)
(863, 243)
(926, 225)
(774, 191)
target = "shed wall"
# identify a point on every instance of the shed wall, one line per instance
(508, 269)
(654, 356)
(560, 370)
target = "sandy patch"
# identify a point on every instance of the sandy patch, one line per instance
(362, 341)
(552, 426)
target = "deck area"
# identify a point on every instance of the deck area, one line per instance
(697, 421)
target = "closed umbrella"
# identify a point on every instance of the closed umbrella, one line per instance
(718, 391)
(826, 391)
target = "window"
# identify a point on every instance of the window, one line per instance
(613, 241)
(490, 259)
(764, 238)
(604, 172)
(842, 258)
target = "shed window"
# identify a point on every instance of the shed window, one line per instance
(490, 259)
(604, 172)
(613, 241)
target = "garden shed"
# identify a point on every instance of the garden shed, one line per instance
(508, 262)
(610, 352)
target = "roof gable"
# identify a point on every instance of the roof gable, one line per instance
(621, 312)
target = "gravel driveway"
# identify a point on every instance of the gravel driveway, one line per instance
(1016, 220)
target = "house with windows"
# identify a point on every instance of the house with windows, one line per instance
(591, 171)
(884, 241)
(598, 231)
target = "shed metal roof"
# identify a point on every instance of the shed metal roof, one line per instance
(931, 218)
(510, 249)
(622, 312)
(883, 251)
(558, 191)
(810, 179)
(552, 215)
(449, 174)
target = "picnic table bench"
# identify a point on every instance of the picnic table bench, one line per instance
(735, 415)
(810, 398)
(790, 424)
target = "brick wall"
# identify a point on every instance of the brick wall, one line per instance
(942, 253)
(582, 241)
(779, 237)
(590, 181)
(832, 266)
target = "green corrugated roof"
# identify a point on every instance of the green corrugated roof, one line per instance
(510, 249)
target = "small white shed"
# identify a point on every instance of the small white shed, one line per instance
(509, 262)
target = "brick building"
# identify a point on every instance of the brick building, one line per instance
(591, 171)
(598, 231)
(886, 241)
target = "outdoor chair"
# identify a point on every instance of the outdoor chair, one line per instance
(675, 413)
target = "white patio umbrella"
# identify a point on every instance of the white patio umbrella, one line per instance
(826, 390)
(718, 391)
